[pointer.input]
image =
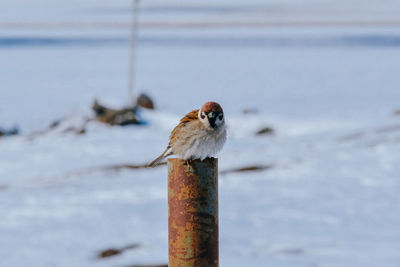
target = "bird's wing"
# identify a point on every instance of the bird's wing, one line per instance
(191, 116)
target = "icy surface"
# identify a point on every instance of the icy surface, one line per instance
(330, 92)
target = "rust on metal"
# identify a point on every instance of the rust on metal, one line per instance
(193, 213)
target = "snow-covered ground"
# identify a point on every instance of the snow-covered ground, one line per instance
(322, 74)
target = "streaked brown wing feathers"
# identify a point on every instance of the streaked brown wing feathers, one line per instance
(191, 116)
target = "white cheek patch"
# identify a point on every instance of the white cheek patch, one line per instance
(219, 122)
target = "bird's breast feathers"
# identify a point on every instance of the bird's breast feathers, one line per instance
(194, 141)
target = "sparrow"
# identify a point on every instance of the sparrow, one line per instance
(199, 135)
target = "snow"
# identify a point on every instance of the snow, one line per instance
(329, 92)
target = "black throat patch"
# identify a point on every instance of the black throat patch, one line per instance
(212, 122)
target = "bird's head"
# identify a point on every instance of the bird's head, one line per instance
(211, 115)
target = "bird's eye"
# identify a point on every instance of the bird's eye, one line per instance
(220, 116)
(202, 116)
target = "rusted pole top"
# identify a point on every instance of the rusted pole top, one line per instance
(193, 213)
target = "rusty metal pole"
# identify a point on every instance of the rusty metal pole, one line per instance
(193, 213)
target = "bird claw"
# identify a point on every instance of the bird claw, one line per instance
(188, 162)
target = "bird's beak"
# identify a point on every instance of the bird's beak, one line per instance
(212, 116)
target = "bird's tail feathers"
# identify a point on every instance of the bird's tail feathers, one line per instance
(158, 160)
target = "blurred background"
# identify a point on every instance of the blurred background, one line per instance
(311, 93)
